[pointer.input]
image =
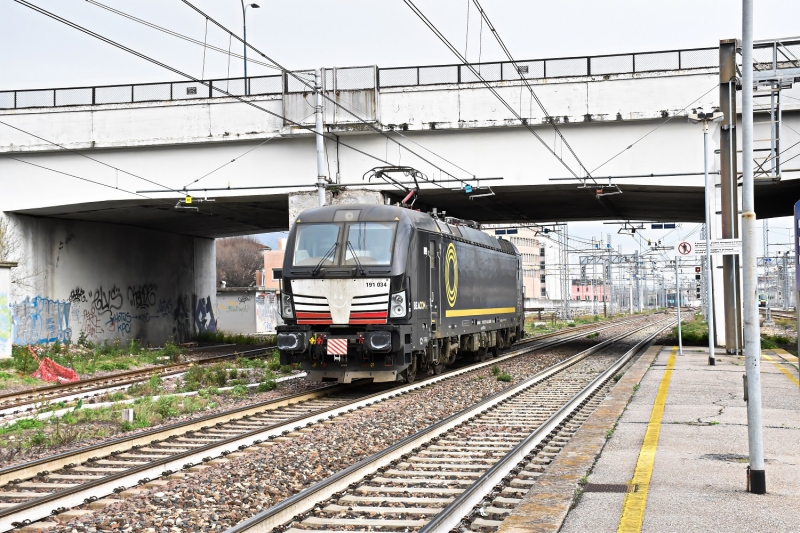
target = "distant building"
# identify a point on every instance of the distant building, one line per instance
(273, 260)
(540, 256)
(589, 290)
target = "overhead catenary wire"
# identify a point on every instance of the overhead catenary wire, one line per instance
(489, 86)
(273, 64)
(189, 76)
(204, 44)
(326, 97)
(643, 137)
(77, 152)
(527, 84)
(7, 156)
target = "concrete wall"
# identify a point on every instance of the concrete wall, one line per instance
(110, 282)
(247, 310)
(175, 142)
(5, 309)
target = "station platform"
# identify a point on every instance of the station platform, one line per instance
(667, 451)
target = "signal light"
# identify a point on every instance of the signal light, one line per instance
(697, 269)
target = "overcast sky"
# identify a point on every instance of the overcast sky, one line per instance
(39, 52)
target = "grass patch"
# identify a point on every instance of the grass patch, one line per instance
(783, 342)
(85, 357)
(504, 377)
(593, 335)
(694, 332)
(266, 385)
(231, 338)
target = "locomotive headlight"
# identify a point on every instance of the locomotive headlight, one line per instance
(287, 310)
(398, 305)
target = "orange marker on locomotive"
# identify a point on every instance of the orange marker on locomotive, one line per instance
(385, 293)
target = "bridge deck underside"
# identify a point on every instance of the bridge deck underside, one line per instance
(228, 216)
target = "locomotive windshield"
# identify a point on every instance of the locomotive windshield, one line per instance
(315, 241)
(365, 243)
(371, 242)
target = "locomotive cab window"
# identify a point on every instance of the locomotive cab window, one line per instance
(371, 242)
(315, 241)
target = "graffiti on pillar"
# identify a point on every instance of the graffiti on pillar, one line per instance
(165, 307)
(182, 315)
(106, 302)
(266, 312)
(77, 295)
(142, 296)
(92, 326)
(119, 323)
(204, 320)
(40, 320)
(6, 325)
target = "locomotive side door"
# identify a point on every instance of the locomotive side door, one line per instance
(421, 302)
(435, 268)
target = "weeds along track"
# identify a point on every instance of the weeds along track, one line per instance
(27, 400)
(31, 491)
(469, 470)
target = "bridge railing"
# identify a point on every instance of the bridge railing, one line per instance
(370, 77)
(563, 67)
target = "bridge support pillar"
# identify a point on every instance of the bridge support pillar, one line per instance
(108, 283)
(729, 198)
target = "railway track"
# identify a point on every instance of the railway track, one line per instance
(779, 314)
(467, 471)
(30, 491)
(26, 400)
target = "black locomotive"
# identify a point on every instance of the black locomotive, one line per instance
(383, 293)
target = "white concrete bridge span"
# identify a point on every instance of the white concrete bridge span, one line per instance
(159, 132)
(242, 153)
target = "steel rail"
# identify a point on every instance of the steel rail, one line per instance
(31, 469)
(71, 497)
(34, 396)
(38, 394)
(307, 499)
(449, 518)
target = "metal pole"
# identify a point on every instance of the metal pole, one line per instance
(636, 276)
(729, 191)
(712, 360)
(244, 34)
(678, 307)
(630, 295)
(752, 339)
(320, 139)
(785, 283)
(767, 263)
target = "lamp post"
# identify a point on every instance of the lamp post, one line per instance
(244, 32)
(696, 118)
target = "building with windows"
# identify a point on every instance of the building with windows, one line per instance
(273, 260)
(589, 290)
(540, 267)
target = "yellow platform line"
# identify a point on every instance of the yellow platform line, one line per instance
(785, 355)
(635, 502)
(780, 367)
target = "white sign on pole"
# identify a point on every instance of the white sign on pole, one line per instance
(718, 246)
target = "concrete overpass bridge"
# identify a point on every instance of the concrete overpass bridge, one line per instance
(111, 221)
